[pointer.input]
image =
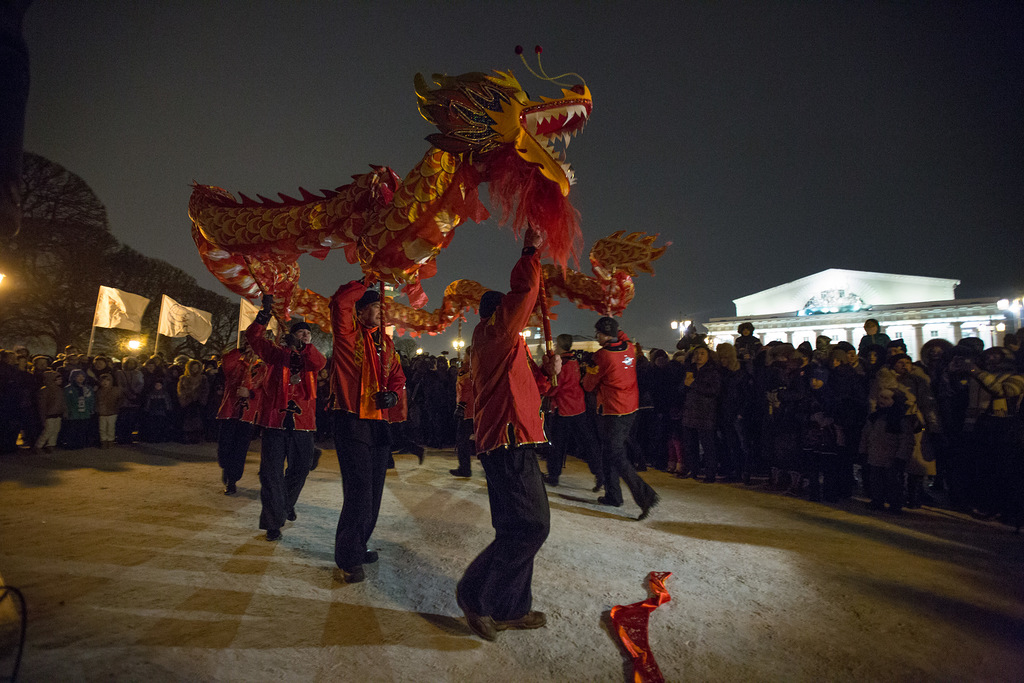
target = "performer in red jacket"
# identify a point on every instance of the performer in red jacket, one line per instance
(464, 408)
(287, 413)
(613, 375)
(237, 413)
(495, 591)
(570, 425)
(369, 392)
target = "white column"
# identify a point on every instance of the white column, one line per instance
(914, 343)
(957, 334)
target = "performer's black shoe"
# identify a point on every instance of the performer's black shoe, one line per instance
(552, 481)
(645, 510)
(355, 574)
(532, 619)
(370, 557)
(418, 451)
(317, 452)
(460, 473)
(230, 489)
(273, 534)
(292, 516)
(603, 500)
(482, 626)
(597, 487)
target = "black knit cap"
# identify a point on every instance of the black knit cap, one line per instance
(607, 326)
(301, 325)
(370, 296)
(489, 302)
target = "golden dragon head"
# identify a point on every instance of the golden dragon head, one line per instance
(478, 113)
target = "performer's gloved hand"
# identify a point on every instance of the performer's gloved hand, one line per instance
(460, 412)
(295, 366)
(266, 313)
(386, 399)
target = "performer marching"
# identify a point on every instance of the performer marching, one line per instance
(287, 413)
(495, 591)
(464, 414)
(237, 413)
(369, 392)
(570, 424)
(613, 375)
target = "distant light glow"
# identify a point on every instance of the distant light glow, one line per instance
(134, 344)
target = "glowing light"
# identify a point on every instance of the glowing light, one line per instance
(458, 344)
(419, 352)
(1001, 327)
(2, 276)
(134, 344)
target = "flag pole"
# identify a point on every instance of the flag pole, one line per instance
(92, 335)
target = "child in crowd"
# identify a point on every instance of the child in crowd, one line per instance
(888, 441)
(156, 414)
(52, 410)
(108, 402)
(80, 400)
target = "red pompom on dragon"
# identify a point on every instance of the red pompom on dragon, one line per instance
(490, 132)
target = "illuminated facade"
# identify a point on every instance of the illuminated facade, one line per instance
(836, 303)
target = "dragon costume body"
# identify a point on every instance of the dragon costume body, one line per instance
(489, 132)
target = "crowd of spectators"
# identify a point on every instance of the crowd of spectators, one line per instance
(826, 422)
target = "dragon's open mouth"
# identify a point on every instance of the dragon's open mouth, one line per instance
(557, 121)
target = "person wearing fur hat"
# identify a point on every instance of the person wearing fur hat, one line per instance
(495, 591)
(368, 384)
(747, 345)
(872, 337)
(81, 406)
(287, 414)
(613, 377)
(888, 441)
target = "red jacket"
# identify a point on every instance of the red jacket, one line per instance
(567, 398)
(614, 377)
(238, 372)
(278, 392)
(506, 385)
(356, 373)
(464, 392)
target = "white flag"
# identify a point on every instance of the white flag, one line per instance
(247, 314)
(115, 308)
(183, 321)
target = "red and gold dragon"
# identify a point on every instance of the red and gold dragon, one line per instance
(490, 132)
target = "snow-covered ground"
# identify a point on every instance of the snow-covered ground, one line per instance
(137, 568)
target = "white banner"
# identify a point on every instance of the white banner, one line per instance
(247, 314)
(183, 321)
(115, 308)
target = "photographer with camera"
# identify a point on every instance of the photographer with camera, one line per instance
(369, 393)
(287, 413)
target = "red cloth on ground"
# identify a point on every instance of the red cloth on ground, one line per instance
(631, 627)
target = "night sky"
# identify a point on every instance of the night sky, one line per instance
(767, 141)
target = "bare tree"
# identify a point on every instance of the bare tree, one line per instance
(55, 265)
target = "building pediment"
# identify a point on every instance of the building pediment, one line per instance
(839, 291)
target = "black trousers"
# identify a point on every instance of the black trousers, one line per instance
(232, 447)
(280, 489)
(364, 447)
(498, 583)
(464, 445)
(573, 434)
(613, 430)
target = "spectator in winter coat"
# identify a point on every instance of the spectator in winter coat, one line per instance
(872, 337)
(703, 384)
(52, 410)
(131, 381)
(156, 414)
(888, 442)
(81, 406)
(193, 392)
(108, 402)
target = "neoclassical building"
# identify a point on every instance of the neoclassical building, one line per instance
(836, 303)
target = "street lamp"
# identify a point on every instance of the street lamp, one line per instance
(134, 344)
(1013, 306)
(681, 326)
(458, 345)
(2, 276)
(419, 352)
